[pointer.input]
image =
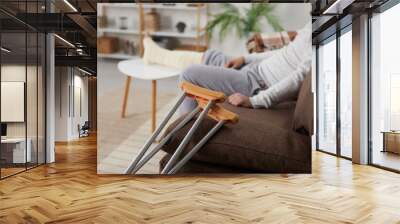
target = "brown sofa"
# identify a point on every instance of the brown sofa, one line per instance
(275, 140)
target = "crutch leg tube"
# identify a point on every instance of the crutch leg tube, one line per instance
(155, 134)
(187, 138)
(150, 155)
(218, 113)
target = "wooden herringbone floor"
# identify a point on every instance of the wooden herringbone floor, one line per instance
(70, 191)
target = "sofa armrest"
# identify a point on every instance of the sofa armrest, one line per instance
(303, 118)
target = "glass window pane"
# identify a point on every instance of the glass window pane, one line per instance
(385, 84)
(32, 88)
(327, 97)
(14, 153)
(346, 94)
(31, 98)
(23, 90)
(41, 99)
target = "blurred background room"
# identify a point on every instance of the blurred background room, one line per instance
(129, 107)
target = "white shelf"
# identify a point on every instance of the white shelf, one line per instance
(117, 56)
(153, 6)
(161, 33)
(116, 30)
(168, 33)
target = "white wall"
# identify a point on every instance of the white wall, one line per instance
(61, 103)
(14, 73)
(33, 126)
(17, 73)
(80, 84)
(68, 82)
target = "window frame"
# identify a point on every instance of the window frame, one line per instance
(27, 29)
(378, 10)
(334, 37)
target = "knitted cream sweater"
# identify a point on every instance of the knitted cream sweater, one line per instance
(283, 70)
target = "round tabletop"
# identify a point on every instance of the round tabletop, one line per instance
(138, 69)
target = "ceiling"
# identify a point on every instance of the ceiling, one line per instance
(19, 54)
(331, 15)
(74, 22)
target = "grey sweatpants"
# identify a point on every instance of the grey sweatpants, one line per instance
(213, 75)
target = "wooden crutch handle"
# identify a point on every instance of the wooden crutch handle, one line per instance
(218, 113)
(203, 93)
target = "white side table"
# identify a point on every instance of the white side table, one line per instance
(136, 68)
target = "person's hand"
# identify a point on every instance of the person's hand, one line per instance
(239, 100)
(255, 44)
(235, 63)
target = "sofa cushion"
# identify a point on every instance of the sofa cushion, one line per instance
(303, 119)
(197, 167)
(262, 141)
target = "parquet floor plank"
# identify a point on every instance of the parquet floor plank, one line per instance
(70, 191)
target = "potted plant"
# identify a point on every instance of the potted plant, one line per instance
(244, 24)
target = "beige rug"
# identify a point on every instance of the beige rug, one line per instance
(119, 140)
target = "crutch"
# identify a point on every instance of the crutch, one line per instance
(217, 113)
(207, 100)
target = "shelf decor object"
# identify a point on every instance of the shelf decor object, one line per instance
(150, 20)
(181, 27)
(102, 21)
(107, 45)
(123, 23)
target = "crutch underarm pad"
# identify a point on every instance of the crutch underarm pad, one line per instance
(218, 113)
(203, 93)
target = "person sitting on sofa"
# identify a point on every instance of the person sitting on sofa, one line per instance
(260, 42)
(258, 80)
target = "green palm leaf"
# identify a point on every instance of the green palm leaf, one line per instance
(231, 19)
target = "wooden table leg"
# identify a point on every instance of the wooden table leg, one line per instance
(153, 105)
(126, 94)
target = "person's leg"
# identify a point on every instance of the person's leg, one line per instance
(214, 58)
(154, 54)
(181, 59)
(220, 79)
